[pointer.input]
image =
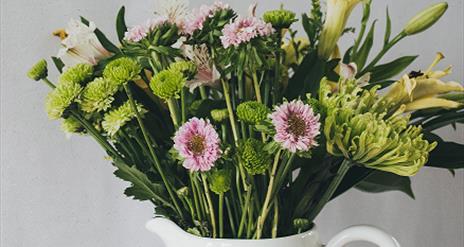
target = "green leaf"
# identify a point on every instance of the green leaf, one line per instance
(448, 155)
(379, 181)
(443, 120)
(58, 63)
(387, 29)
(121, 27)
(141, 187)
(388, 70)
(354, 176)
(106, 43)
(360, 57)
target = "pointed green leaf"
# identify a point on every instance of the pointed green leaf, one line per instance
(379, 181)
(387, 29)
(393, 68)
(361, 56)
(58, 63)
(121, 27)
(448, 155)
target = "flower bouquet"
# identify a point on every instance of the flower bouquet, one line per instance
(233, 126)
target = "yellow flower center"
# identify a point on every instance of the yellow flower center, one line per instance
(296, 125)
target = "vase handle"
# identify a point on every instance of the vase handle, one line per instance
(363, 233)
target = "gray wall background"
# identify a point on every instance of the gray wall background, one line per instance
(59, 192)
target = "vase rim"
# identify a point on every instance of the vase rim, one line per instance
(306, 233)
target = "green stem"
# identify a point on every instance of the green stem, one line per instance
(276, 218)
(225, 87)
(257, 88)
(342, 170)
(49, 83)
(195, 197)
(203, 94)
(183, 106)
(221, 216)
(231, 217)
(210, 205)
(172, 105)
(244, 213)
(265, 209)
(152, 151)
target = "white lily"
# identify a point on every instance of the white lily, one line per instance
(207, 73)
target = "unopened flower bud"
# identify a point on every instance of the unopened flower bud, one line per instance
(252, 112)
(280, 18)
(255, 159)
(39, 71)
(220, 180)
(219, 115)
(183, 192)
(425, 19)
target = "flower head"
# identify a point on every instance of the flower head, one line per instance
(219, 115)
(79, 74)
(114, 120)
(198, 144)
(207, 74)
(255, 159)
(81, 45)
(252, 112)
(187, 68)
(39, 71)
(220, 180)
(202, 14)
(61, 98)
(70, 126)
(136, 33)
(167, 84)
(280, 18)
(98, 95)
(296, 126)
(244, 29)
(122, 70)
(425, 19)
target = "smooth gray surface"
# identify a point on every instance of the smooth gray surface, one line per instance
(58, 192)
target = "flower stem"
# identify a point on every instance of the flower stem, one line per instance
(225, 87)
(276, 218)
(210, 205)
(152, 151)
(172, 105)
(203, 94)
(48, 82)
(257, 88)
(183, 106)
(265, 209)
(342, 170)
(244, 212)
(231, 217)
(221, 216)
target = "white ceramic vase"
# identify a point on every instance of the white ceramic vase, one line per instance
(174, 236)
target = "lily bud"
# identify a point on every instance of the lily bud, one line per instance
(338, 12)
(425, 19)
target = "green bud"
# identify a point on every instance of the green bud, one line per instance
(301, 223)
(255, 159)
(78, 74)
(220, 180)
(252, 112)
(61, 98)
(425, 19)
(280, 18)
(183, 192)
(187, 68)
(219, 115)
(122, 70)
(167, 84)
(39, 71)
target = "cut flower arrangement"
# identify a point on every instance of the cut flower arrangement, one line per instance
(233, 126)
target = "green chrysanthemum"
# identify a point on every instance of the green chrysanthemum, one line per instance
(167, 84)
(98, 95)
(70, 125)
(255, 159)
(78, 74)
(187, 68)
(219, 115)
(359, 128)
(220, 180)
(122, 70)
(252, 112)
(116, 119)
(39, 71)
(61, 98)
(280, 18)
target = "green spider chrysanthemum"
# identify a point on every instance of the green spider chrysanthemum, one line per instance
(360, 128)
(280, 18)
(116, 119)
(252, 112)
(98, 95)
(78, 74)
(61, 98)
(167, 84)
(70, 125)
(39, 71)
(219, 115)
(187, 68)
(122, 70)
(220, 181)
(255, 159)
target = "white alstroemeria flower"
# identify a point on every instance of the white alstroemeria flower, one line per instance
(81, 45)
(207, 74)
(177, 11)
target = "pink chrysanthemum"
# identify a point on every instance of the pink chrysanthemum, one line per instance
(198, 143)
(244, 29)
(200, 15)
(136, 33)
(296, 126)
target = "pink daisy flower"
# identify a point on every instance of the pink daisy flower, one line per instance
(198, 143)
(200, 15)
(296, 126)
(136, 33)
(244, 29)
